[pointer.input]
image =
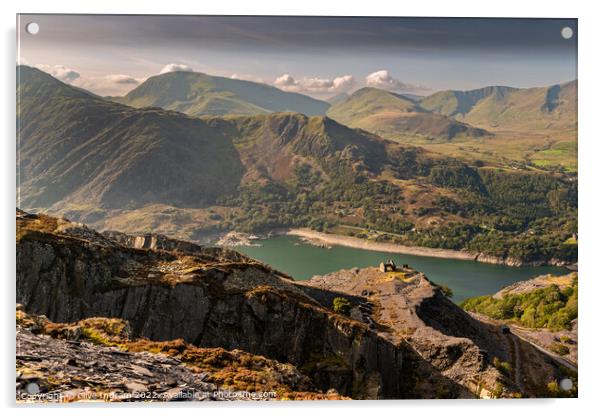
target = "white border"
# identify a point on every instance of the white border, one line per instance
(590, 154)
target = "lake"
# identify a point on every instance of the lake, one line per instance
(466, 278)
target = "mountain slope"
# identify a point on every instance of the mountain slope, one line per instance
(101, 352)
(337, 98)
(76, 147)
(452, 103)
(200, 94)
(506, 108)
(397, 117)
(270, 146)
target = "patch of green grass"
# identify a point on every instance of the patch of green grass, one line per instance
(95, 337)
(559, 349)
(503, 367)
(342, 306)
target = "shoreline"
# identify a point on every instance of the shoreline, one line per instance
(311, 237)
(354, 242)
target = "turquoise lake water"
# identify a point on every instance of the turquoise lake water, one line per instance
(466, 278)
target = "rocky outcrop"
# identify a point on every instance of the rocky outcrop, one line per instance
(56, 370)
(539, 282)
(515, 262)
(448, 353)
(153, 241)
(219, 301)
(97, 359)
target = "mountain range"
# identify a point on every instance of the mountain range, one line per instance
(441, 117)
(148, 169)
(397, 117)
(506, 108)
(76, 147)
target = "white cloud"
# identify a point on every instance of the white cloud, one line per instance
(60, 72)
(284, 81)
(248, 77)
(383, 80)
(344, 83)
(122, 79)
(176, 67)
(315, 85)
(111, 84)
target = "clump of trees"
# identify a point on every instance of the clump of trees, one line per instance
(549, 307)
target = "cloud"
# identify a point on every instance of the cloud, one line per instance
(122, 79)
(284, 81)
(315, 85)
(176, 67)
(60, 72)
(383, 80)
(344, 83)
(111, 84)
(248, 77)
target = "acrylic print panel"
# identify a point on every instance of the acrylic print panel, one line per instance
(308, 208)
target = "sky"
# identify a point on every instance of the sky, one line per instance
(317, 56)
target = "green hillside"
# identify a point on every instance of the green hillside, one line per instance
(548, 307)
(453, 103)
(396, 117)
(337, 98)
(76, 147)
(504, 108)
(200, 94)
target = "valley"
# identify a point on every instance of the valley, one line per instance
(154, 170)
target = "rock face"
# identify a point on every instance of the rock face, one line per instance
(208, 298)
(161, 242)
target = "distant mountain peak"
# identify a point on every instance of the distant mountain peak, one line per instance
(197, 94)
